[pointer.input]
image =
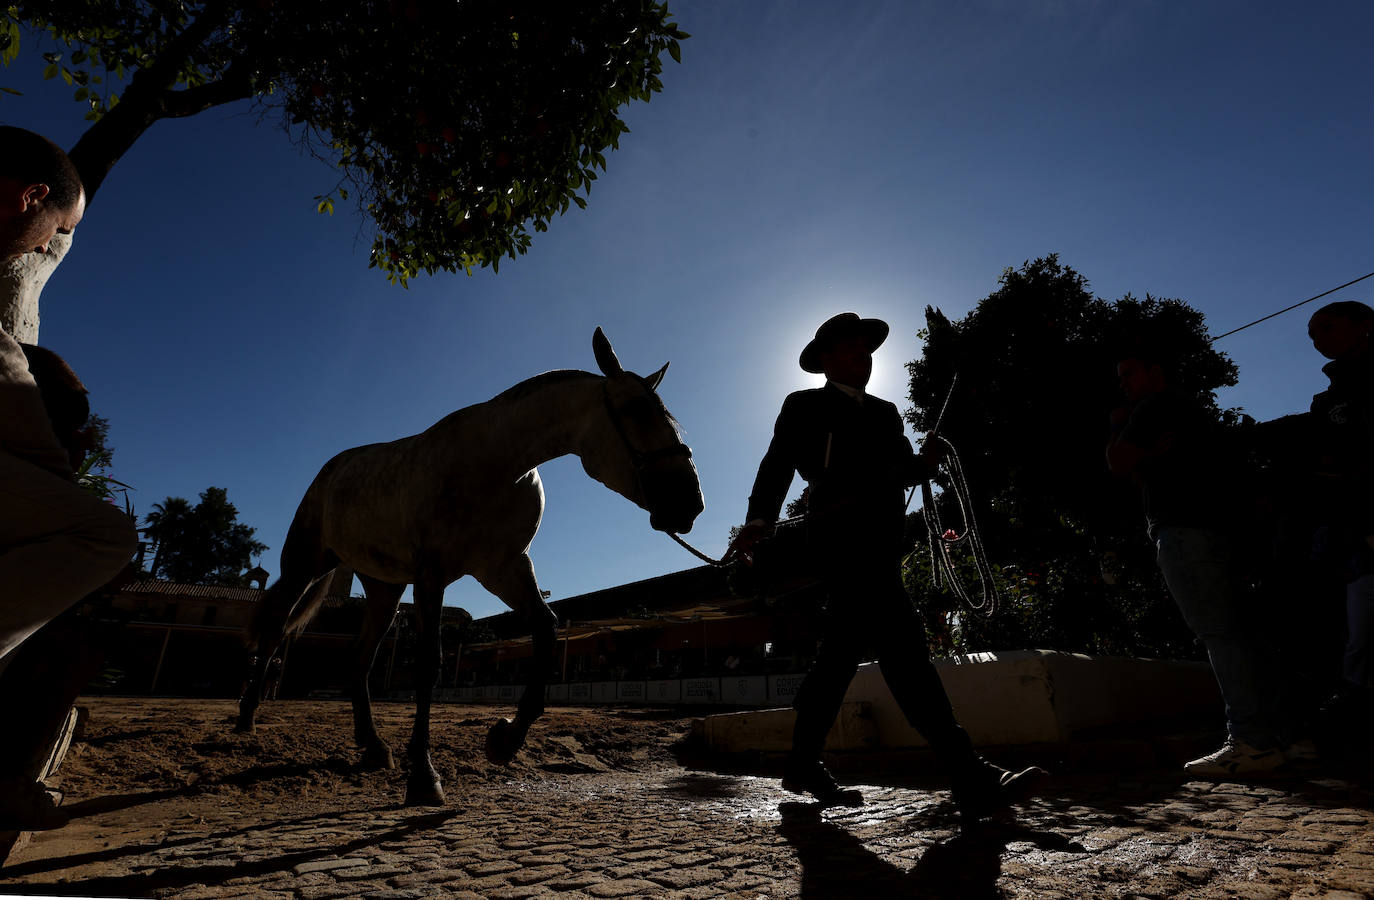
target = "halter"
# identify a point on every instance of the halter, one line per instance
(641, 459)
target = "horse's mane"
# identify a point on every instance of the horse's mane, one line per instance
(539, 382)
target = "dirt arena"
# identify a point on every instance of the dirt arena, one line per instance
(168, 803)
(181, 759)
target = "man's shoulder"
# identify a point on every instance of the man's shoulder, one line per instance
(880, 403)
(805, 398)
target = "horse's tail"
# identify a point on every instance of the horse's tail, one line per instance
(315, 594)
(303, 608)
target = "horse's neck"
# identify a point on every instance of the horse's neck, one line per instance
(541, 419)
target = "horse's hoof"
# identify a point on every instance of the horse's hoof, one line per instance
(244, 727)
(424, 794)
(502, 743)
(375, 758)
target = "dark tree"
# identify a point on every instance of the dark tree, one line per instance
(1036, 362)
(201, 544)
(458, 126)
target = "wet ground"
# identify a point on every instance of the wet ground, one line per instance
(167, 803)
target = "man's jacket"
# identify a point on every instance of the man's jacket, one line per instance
(853, 455)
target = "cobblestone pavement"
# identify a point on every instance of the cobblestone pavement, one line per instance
(676, 833)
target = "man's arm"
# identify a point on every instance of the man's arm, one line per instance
(770, 487)
(913, 467)
(1138, 434)
(25, 430)
(776, 469)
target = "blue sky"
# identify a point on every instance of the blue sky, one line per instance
(803, 159)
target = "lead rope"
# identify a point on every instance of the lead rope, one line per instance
(719, 564)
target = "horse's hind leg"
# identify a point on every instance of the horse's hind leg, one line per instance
(303, 560)
(268, 630)
(382, 600)
(517, 586)
(423, 787)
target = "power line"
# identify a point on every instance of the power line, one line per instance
(1287, 308)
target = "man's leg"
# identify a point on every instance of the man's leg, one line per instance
(1359, 600)
(818, 703)
(979, 787)
(1196, 564)
(58, 543)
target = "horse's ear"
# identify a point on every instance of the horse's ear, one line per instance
(656, 379)
(605, 356)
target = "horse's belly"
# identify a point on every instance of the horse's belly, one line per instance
(388, 530)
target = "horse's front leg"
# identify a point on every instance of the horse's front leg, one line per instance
(423, 787)
(520, 591)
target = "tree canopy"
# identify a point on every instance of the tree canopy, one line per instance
(1035, 362)
(457, 126)
(201, 544)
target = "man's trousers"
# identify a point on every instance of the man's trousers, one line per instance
(58, 543)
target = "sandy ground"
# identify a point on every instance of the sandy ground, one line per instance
(183, 756)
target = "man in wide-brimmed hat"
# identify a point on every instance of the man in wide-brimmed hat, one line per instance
(850, 448)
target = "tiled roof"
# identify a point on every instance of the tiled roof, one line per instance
(218, 592)
(209, 591)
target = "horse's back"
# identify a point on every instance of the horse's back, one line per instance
(378, 506)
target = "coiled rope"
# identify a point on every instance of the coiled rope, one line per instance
(942, 540)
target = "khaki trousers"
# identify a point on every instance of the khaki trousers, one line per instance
(58, 543)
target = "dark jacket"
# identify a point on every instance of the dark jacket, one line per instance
(1342, 420)
(853, 455)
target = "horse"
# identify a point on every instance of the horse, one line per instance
(464, 498)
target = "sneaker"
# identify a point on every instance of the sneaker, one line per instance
(28, 806)
(815, 779)
(1304, 751)
(1236, 759)
(986, 789)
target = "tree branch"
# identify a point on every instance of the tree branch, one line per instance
(233, 86)
(105, 142)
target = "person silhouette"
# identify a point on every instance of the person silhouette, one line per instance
(849, 447)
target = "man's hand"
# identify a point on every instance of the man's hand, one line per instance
(742, 547)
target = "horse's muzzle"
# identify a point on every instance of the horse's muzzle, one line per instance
(676, 518)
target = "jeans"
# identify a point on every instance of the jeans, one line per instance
(1197, 567)
(1359, 605)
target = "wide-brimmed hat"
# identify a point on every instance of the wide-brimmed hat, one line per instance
(841, 328)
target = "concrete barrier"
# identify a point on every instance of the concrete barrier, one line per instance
(770, 730)
(1019, 697)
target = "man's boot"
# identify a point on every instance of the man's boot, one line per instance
(982, 789)
(805, 773)
(812, 777)
(25, 805)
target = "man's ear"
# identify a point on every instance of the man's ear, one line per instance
(34, 194)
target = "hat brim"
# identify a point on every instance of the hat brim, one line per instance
(874, 331)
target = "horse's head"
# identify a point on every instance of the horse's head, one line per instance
(642, 455)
